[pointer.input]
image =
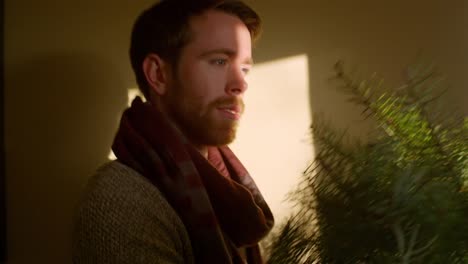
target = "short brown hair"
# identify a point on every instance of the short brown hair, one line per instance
(164, 29)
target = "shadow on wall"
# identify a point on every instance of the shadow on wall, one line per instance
(62, 111)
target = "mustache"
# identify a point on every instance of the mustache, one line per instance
(229, 101)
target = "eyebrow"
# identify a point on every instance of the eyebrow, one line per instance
(229, 52)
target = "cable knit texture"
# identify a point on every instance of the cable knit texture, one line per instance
(123, 218)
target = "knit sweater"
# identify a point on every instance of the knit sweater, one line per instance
(123, 218)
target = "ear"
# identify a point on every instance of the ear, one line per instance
(156, 73)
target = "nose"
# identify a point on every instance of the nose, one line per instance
(236, 84)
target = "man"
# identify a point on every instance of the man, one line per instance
(176, 193)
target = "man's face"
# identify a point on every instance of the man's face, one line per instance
(204, 97)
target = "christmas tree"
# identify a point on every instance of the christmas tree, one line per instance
(402, 197)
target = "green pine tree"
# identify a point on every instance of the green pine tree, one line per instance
(401, 198)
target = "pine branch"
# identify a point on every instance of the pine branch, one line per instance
(395, 200)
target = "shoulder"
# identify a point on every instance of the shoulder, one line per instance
(117, 189)
(116, 182)
(122, 215)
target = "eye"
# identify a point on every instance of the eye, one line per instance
(245, 70)
(220, 62)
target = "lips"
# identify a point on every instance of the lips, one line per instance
(231, 111)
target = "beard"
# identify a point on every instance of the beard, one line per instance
(201, 123)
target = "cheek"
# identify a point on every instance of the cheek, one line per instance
(205, 81)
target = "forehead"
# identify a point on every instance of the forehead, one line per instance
(216, 29)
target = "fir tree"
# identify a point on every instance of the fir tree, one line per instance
(401, 198)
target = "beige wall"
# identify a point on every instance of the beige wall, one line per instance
(67, 76)
(380, 36)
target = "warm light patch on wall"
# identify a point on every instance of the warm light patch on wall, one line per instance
(273, 140)
(131, 93)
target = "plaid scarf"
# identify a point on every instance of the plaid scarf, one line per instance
(216, 199)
